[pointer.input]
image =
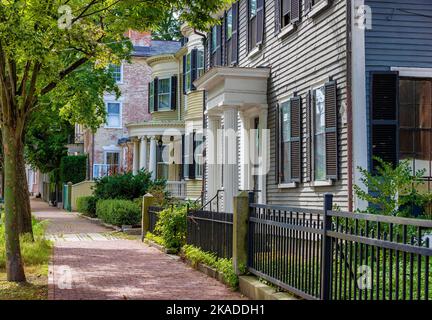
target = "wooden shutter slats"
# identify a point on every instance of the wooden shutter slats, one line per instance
(184, 74)
(173, 92)
(384, 117)
(296, 145)
(155, 94)
(194, 67)
(295, 11)
(286, 6)
(308, 167)
(260, 22)
(234, 37)
(277, 144)
(331, 125)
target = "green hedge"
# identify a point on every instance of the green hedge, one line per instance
(118, 212)
(73, 169)
(172, 226)
(87, 206)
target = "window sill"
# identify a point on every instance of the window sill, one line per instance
(195, 179)
(106, 127)
(324, 183)
(254, 52)
(317, 9)
(291, 185)
(286, 31)
(167, 110)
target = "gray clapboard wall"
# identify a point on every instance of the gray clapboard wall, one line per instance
(401, 36)
(315, 51)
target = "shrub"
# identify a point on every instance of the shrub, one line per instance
(124, 186)
(118, 212)
(73, 169)
(34, 253)
(87, 205)
(223, 266)
(171, 227)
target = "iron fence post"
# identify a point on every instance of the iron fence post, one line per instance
(326, 253)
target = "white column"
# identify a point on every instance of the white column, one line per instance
(152, 160)
(230, 172)
(135, 159)
(143, 153)
(245, 141)
(212, 177)
(264, 156)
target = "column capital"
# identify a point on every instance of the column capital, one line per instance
(142, 138)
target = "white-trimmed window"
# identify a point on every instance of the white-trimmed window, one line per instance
(162, 162)
(229, 24)
(151, 96)
(252, 8)
(188, 71)
(214, 39)
(198, 153)
(285, 114)
(117, 72)
(319, 110)
(200, 62)
(113, 115)
(164, 94)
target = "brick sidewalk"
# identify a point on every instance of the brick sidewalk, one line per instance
(117, 269)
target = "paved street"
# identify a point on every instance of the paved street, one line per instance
(89, 263)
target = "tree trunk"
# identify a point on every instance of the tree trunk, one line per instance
(22, 196)
(14, 264)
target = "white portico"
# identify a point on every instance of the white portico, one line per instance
(237, 142)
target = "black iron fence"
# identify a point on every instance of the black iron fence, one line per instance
(154, 217)
(211, 231)
(324, 254)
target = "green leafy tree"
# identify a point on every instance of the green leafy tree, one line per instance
(391, 190)
(169, 28)
(45, 49)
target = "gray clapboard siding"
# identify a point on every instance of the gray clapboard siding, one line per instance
(401, 36)
(315, 51)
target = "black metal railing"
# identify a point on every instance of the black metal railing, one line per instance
(153, 217)
(330, 255)
(211, 231)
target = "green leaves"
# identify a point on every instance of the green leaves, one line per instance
(391, 191)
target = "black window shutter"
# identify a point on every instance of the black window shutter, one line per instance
(218, 52)
(184, 74)
(385, 108)
(208, 52)
(235, 38)
(194, 66)
(173, 92)
(296, 145)
(331, 127)
(295, 10)
(308, 168)
(260, 22)
(182, 171)
(277, 145)
(155, 94)
(308, 4)
(278, 16)
(149, 101)
(192, 162)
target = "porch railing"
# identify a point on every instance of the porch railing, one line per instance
(330, 255)
(102, 170)
(177, 189)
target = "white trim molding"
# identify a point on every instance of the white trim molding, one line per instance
(413, 72)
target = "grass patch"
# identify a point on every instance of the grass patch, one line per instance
(223, 266)
(36, 256)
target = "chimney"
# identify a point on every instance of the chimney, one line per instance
(139, 39)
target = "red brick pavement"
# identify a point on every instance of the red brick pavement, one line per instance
(119, 269)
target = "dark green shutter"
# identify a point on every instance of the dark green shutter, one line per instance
(184, 73)
(260, 22)
(384, 117)
(331, 129)
(155, 94)
(218, 53)
(149, 106)
(235, 34)
(295, 141)
(192, 162)
(295, 10)
(277, 146)
(173, 92)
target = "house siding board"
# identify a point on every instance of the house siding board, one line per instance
(397, 39)
(312, 53)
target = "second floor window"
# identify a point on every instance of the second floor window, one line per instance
(319, 134)
(164, 94)
(252, 8)
(200, 63)
(193, 68)
(116, 71)
(188, 72)
(113, 115)
(214, 39)
(285, 141)
(229, 24)
(255, 23)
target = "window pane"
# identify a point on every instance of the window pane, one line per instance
(229, 24)
(116, 72)
(320, 162)
(113, 108)
(214, 38)
(164, 101)
(113, 121)
(407, 104)
(406, 141)
(164, 85)
(423, 100)
(286, 121)
(253, 8)
(319, 111)
(112, 158)
(286, 168)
